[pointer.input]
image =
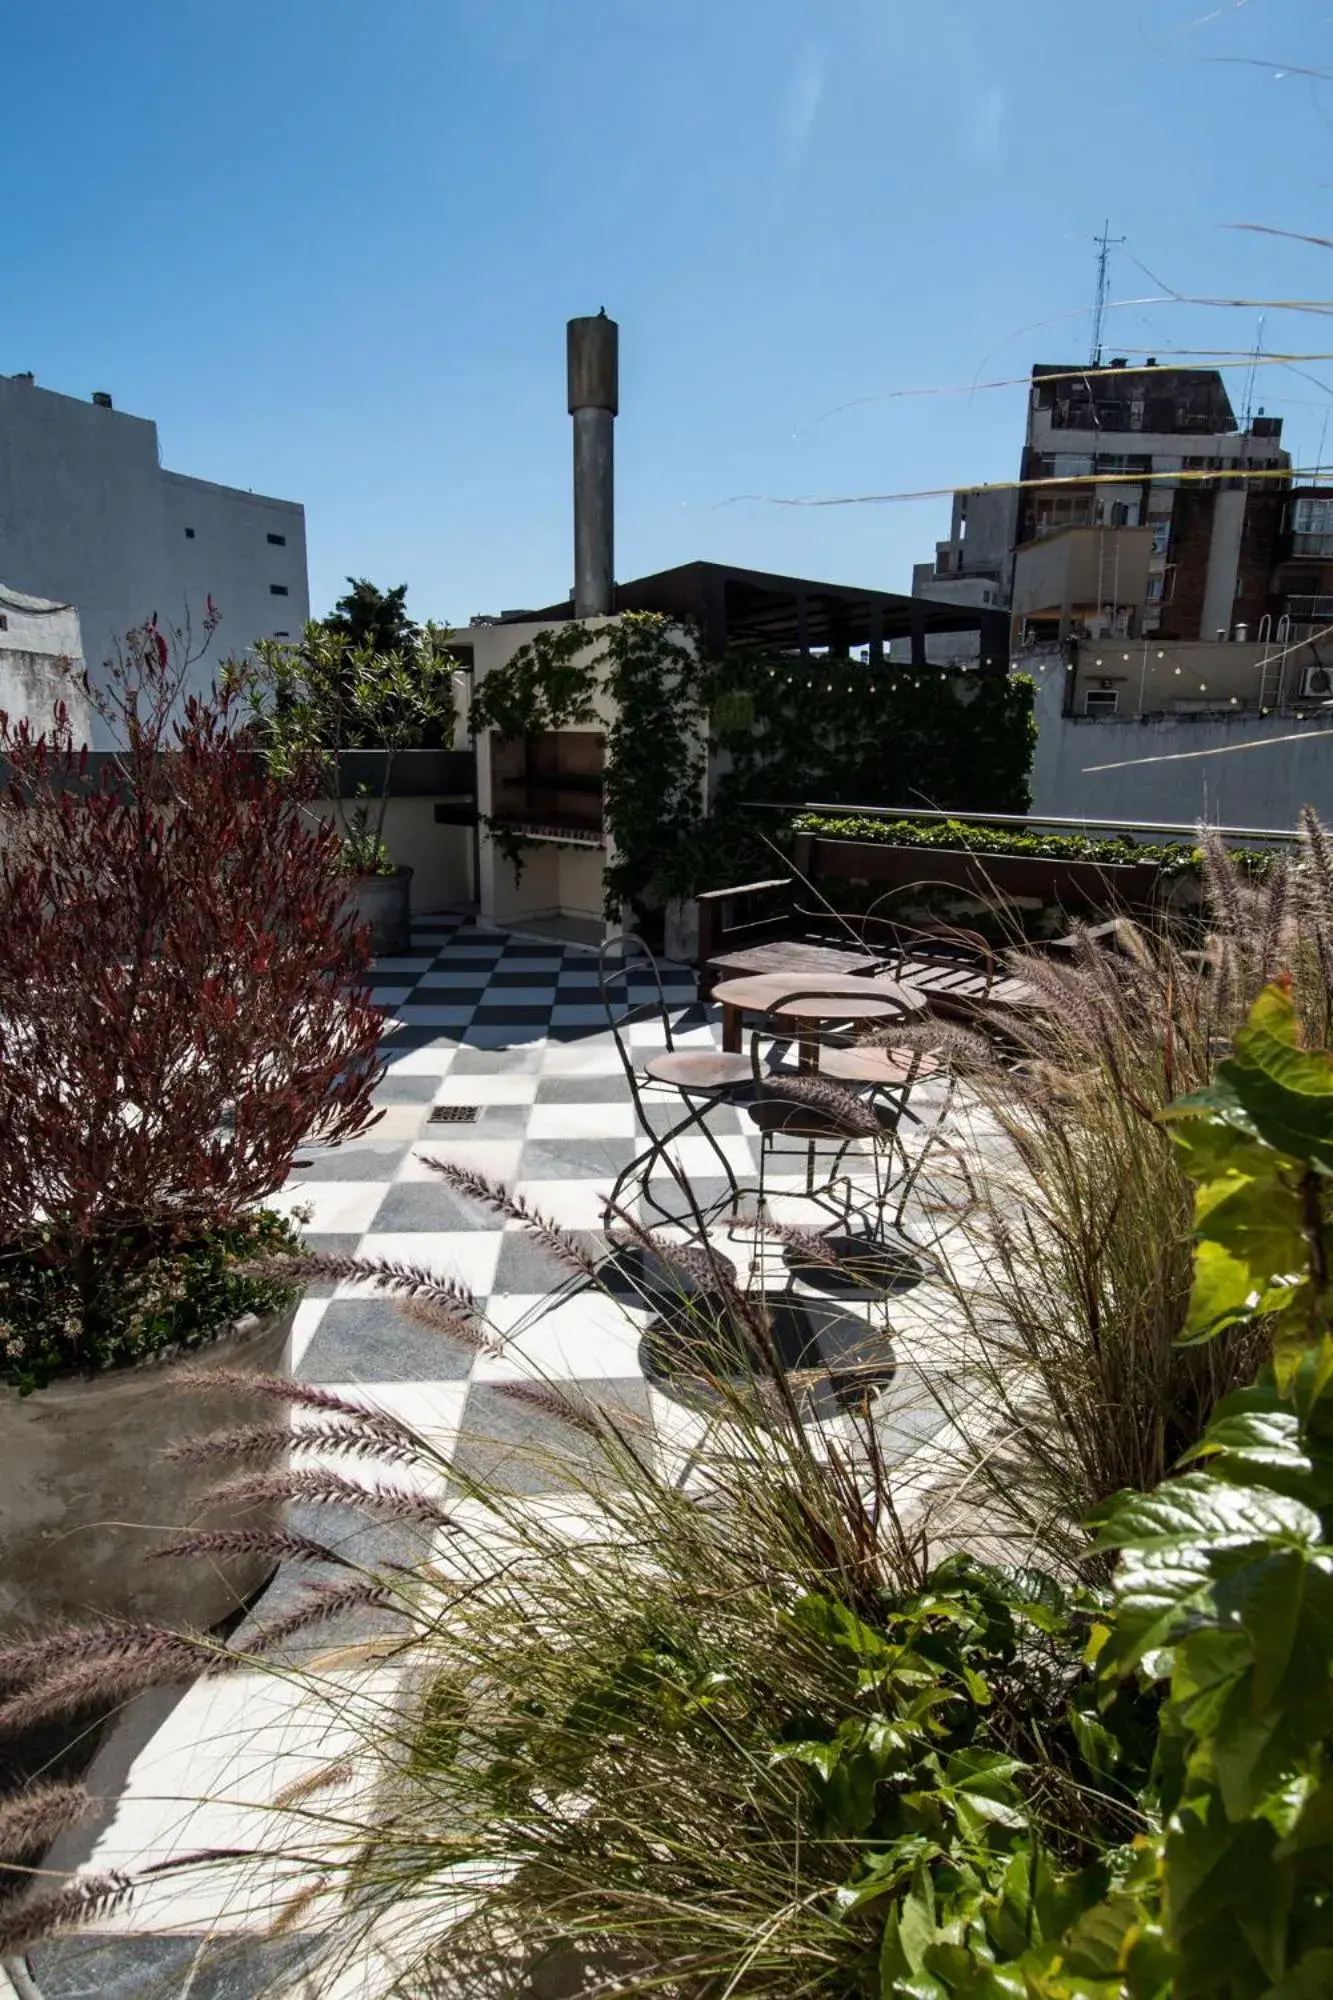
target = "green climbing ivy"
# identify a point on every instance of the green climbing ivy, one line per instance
(546, 685)
(780, 728)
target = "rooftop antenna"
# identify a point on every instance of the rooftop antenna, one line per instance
(1254, 370)
(1105, 244)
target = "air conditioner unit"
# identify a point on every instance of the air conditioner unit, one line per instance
(1318, 683)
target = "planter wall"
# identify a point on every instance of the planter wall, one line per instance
(1070, 884)
(86, 1494)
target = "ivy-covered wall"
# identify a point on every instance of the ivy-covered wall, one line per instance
(782, 729)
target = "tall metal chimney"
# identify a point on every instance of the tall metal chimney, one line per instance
(594, 399)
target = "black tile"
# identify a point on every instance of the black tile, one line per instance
(709, 1195)
(329, 1244)
(501, 1121)
(520, 982)
(446, 996)
(526, 1267)
(361, 1161)
(369, 1340)
(430, 1205)
(521, 1449)
(502, 1015)
(577, 1159)
(400, 1038)
(378, 1546)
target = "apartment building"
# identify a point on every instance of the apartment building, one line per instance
(90, 518)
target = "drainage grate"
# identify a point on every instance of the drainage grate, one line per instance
(454, 1114)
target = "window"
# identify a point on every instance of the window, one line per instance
(278, 541)
(282, 635)
(1101, 701)
(1156, 587)
(1161, 533)
(189, 534)
(4, 622)
(1312, 526)
(278, 590)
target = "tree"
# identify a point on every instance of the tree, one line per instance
(368, 616)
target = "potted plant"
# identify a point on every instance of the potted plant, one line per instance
(180, 1008)
(366, 680)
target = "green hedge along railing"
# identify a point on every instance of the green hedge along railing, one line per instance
(1172, 858)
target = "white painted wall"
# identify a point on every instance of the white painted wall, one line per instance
(440, 857)
(1269, 768)
(89, 517)
(41, 661)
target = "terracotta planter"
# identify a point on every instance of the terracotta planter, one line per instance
(385, 903)
(86, 1494)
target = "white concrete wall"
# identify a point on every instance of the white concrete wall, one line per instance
(440, 857)
(1267, 769)
(41, 662)
(89, 517)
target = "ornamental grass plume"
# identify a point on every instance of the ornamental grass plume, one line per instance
(1079, 1247)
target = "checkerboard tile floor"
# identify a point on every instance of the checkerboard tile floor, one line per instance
(512, 1031)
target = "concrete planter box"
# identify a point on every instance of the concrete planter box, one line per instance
(385, 902)
(86, 1494)
(1072, 884)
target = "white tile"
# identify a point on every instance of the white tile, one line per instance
(308, 1316)
(436, 1016)
(586, 1338)
(207, 1778)
(436, 1060)
(595, 1056)
(469, 1255)
(511, 1088)
(388, 996)
(336, 1208)
(696, 1158)
(379, 965)
(498, 1159)
(397, 1123)
(576, 1204)
(582, 1121)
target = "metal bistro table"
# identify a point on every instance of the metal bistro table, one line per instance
(841, 997)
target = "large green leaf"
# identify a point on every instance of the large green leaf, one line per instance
(1287, 1091)
(1195, 1510)
(1255, 1439)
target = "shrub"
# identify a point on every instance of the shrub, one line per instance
(179, 1009)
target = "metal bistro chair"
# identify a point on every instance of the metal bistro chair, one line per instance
(871, 1106)
(701, 1078)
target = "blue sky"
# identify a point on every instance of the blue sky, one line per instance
(331, 248)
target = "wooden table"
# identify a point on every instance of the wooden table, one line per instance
(813, 999)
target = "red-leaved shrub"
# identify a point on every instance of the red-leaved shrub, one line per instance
(180, 1004)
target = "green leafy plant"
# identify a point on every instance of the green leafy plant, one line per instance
(173, 1299)
(313, 700)
(1224, 1592)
